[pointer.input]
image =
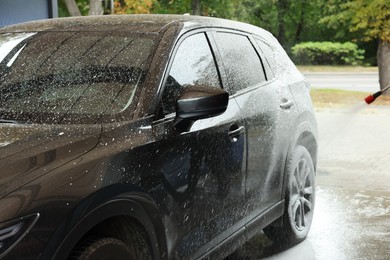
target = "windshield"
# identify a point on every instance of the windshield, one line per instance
(54, 77)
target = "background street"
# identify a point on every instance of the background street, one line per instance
(355, 81)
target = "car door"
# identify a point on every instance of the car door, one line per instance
(203, 170)
(266, 105)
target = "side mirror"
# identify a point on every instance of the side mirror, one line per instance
(199, 102)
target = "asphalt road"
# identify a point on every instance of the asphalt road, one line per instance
(352, 212)
(362, 81)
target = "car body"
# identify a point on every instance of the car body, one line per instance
(174, 135)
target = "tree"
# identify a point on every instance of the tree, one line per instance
(95, 7)
(134, 6)
(290, 21)
(73, 9)
(82, 7)
(371, 20)
(216, 8)
(196, 7)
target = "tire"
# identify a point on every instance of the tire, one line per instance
(300, 199)
(105, 248)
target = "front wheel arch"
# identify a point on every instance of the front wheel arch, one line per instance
(124, 208)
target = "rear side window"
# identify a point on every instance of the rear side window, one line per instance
(242, 63)
(269, 53)
(283, 68)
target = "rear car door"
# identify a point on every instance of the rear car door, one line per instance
(267, 106)
(203, 170)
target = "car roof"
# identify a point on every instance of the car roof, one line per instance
(149, 23)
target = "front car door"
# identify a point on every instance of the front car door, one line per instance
(203, 170)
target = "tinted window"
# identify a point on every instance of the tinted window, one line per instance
(63, 73)
(242, 63)
(193, 64)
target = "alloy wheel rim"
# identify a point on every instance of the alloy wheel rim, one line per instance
(302, 195)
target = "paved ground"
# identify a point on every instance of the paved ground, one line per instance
(355, 148)
(352, 215)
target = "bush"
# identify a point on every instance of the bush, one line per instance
(327, 53)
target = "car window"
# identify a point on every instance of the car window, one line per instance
(269, 53)
(269, 60)
(241, 61)
(281, 65)
(193, 64)
(56, 74)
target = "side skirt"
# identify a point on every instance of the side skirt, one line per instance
(227, 242)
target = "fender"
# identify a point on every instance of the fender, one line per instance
(301, 127)
(112, 201)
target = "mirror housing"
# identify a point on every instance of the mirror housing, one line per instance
(199, 102)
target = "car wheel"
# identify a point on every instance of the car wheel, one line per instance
(105, 248)
(300, 198)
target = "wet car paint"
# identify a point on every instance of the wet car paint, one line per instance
(30, 151)
(189, 187)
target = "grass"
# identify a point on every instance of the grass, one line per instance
(332, 98)
(320, 68)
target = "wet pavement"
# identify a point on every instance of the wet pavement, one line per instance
(352, 214)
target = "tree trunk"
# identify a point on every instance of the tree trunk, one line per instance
(300, 25)
(195, 7)
(282, 8)
(73, 9)
(95, 7)
(383, 57)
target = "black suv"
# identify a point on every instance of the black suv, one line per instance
(150, 137)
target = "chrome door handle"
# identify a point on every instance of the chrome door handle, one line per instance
(233, 134)
(286, 104)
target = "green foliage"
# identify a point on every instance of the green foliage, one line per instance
(62, 9)
(215, 8)
(173, 7)
(134, 6)
(83, 6)
(327, 53)
(289, 21)
(370, 19)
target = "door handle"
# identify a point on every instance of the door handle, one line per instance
(287, 104)
(235, 132)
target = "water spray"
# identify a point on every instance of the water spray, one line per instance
(371, 98)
